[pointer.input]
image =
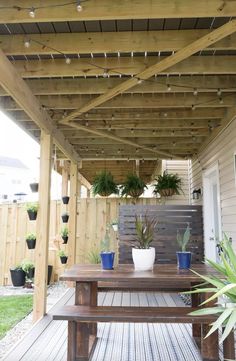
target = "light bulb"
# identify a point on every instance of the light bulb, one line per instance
(168, 87)
(79, 8)
(68, 60)
(219, 92)
(139, 81)
(221, 101)
(195, 91)
(105, 73)
(165, 115)
(32, 12)
(193, 107)
(27, 43)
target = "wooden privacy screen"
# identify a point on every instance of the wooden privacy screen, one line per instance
(170, 218)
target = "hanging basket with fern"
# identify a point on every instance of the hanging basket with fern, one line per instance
(167, 185)
(133, 186)
(104, 184)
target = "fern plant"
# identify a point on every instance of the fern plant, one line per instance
(223, 285)
(183, 240)
(167, 184)
(133, 186)
(104, 184)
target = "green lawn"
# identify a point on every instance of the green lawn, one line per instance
(12, 310)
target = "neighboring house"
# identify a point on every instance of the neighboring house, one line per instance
(14, 179)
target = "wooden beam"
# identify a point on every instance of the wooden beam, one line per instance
(182, 54)
(21, 93)
(89, 86)
(109, 135)
(84, 181)
(125, 65)
(43, 220)
(105, 10)
(73, 214)
(108, 42)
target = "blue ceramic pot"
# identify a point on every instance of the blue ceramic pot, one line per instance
(107, 259)
(184, 259)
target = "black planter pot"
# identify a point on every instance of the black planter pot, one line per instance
(34, 187)
(49, 274)
(30, 274)
(31, 243)
(17, 277)
(32, 215)
(65, 239)
(65, 218)
(64, 259)
(65, 199)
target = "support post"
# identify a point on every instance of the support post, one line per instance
(43, 219)
(79, 189)
(73, 214)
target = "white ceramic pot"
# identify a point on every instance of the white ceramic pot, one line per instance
(143, 258)
(115, 227)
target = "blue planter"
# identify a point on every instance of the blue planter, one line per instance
(184, 259)
(107, 259)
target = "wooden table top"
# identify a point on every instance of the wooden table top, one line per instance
(161, 272)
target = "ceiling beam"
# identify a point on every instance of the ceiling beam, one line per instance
(166, 63)
(108, 42)
(105, 10)
(128, 66)
(158, 85)
(11, 81)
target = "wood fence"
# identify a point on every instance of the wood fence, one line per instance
(169, 218)
(93, 216)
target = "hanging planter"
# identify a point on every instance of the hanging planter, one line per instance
(63, 257)
(32, 210)
(133, 186)
(64, 235)
(34, 187)
(65, 217)
(17, 276)
(31, 240)
(65, 199)
(167, 185)
(104, 184)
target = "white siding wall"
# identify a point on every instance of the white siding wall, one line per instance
(222, 151)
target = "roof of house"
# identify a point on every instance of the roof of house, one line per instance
(11, 163)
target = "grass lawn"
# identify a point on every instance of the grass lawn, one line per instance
(12, 310)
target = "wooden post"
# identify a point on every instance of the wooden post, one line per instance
(41, 252)
(73, 214)
(65, 179)
(79, 189)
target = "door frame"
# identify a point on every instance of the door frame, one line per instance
(214, 168)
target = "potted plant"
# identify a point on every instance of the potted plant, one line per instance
(223, 287)
(167, 185)
(143, 255)
(133, 186)
(104, 184)
(28, 268)
(31, 240)
(65, 217)
(183, 257)
(107, 256)
(114, 225)
(34, 187)
(65, 199)
(17, 276)
(93, 256)
(32, 210)
(64, 234)
(62, 256)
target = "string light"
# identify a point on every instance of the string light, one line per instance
(32, 12)
(27, 43)
(79, 6)
(219, 92)
(195, 92)
(193, 107)
(221, 101)
(139, 81)
(68, 60)
(105, 73)
(165, 115)
(168, 87)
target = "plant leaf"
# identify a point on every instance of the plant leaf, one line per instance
(225, 314)
(229, 326)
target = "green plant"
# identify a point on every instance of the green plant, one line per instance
(61, 253)
(17, 267)
(133, 186)
(144, 229)
(33, 207)
(223, 285)
(64, 232)
(94, 256)
(27, 266)
(167, 184)
(31, 236)
(104, 184)
(184, 239)
(114, 222)
(105, 243)
(65, 214)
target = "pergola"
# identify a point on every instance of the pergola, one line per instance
(116, 85)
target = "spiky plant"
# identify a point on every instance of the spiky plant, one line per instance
(145, 230)
(184, 239)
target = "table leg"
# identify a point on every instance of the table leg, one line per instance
(228, 347)
(196, 329)
(209, 345)
(81, 335)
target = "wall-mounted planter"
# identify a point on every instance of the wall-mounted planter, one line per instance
(31, 243)
(65, 218)
(32, 215)
(34, 187)
(63, 259)
(65, 199)
(65, 239)
(17, 277)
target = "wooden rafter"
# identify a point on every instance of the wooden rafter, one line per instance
(106, 10)
(108, 42)
(11, 81)
(180, 55)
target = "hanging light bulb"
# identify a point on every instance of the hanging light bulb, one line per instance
(195, 92)
(68, 60)
(165, 115)
(79, 6)
(219, 92)
(132, 130)
(87, 123)
(32, 12)
(105, 73)
(27, 43)
(168, 87)
(193, 107)
(221, 101)
(139, 81)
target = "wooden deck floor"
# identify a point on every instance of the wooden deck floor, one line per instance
(47, 340)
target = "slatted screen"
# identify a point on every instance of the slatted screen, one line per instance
(170, 218)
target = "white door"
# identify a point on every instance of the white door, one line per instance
(211, 212)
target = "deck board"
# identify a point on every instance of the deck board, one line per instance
(117, 341)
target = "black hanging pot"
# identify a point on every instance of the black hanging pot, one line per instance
(34, 187)
(65, 239)
(30, 273)
(17, 277)
(63, 259)
(65, 199)
(31, 243)
(65, 218)
(32, 215)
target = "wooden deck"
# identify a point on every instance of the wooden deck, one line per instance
(47, 340)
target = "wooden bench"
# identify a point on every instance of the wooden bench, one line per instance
(91, 314)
